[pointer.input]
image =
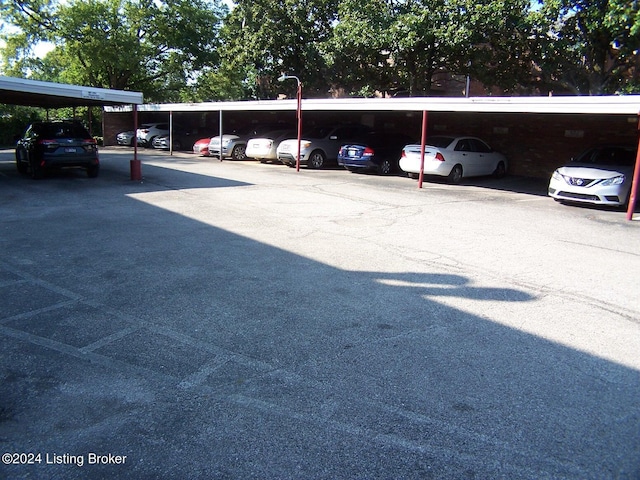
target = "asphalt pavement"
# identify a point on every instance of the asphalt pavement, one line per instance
(238, 320)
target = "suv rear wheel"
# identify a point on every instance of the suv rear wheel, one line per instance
(21, 162)
(316, 159)
(385, 167)
(35, 171)
(92, 172)
(239, 152)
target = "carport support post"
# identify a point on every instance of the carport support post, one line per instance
(170, 132)
(220, 132)
(634, 183)
(136, 170)
(423, 143)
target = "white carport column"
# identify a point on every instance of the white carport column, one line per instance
(221, 130)
(423, 144)
(636, 177)
(136, 168)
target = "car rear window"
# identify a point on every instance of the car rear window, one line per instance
(439, 141)
(318, 132)
(63, 130)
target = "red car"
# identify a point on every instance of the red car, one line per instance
(201, 147)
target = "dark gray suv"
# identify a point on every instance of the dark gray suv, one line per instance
(56, 144)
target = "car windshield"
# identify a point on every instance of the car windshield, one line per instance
(608, 156)
(439, 141)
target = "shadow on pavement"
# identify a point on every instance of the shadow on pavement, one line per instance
(197, 353)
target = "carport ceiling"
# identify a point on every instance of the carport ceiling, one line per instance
(34, 93)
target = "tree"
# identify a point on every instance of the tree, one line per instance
(264, 38)
(500, 54)
(408, 44)
(152, 46)
(590, 46)
(359, 50)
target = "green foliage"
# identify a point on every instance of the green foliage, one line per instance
(14, 120)
(590, 47)
(268, 38)
(196, 50)
(145, 45)
(218, 85)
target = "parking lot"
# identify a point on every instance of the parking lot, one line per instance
(237, 320)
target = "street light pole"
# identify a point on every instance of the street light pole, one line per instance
(282, 78)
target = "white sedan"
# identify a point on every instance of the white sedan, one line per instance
(601, 176)
(264, 148)
(453, 157)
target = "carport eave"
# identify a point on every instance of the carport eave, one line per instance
(605, 105)
(35, 93)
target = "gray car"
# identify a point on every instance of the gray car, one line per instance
(126, 138)
(55, 145)
(319, 146)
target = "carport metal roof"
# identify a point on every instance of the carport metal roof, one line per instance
(618, 104)
(34, 93)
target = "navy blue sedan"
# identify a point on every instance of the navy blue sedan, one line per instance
(376, 152)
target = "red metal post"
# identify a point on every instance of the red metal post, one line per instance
(136, 168)
(423, 143)
(299, 117)
(636, 177)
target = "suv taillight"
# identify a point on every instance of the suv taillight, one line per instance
(48, 144)
(368, 152)
(90, 144)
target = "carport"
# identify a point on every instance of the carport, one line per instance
(34, 93)
(535, 132)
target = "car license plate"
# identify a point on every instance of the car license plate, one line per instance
(351, 152)
(70, 150)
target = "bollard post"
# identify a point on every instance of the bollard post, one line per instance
(136, 170)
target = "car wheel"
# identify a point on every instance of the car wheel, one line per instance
(239, 152)
(35, 170)
(456, 174)
(21, 161)
(500, 170)
(385, 167)
(316, 159)
(92, 171)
